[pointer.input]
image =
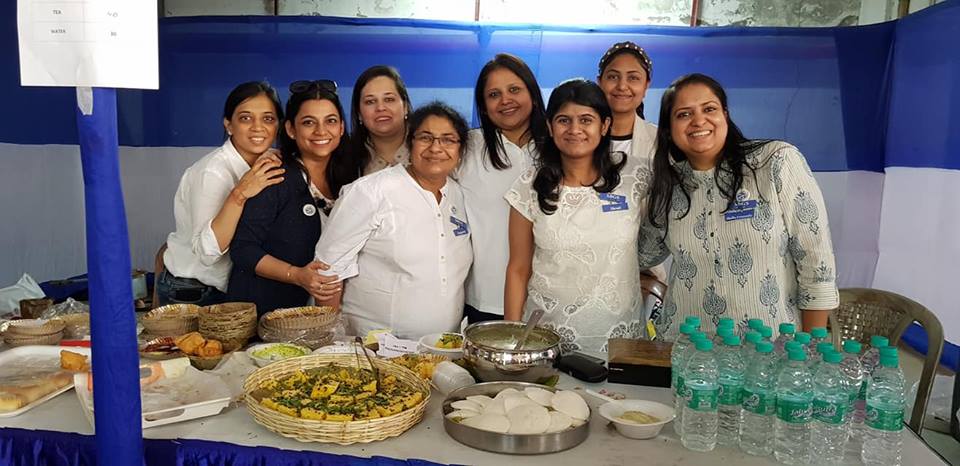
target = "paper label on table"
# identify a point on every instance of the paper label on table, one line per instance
(93, 43)
(391, 346)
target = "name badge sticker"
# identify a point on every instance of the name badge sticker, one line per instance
(613, 202)
(461, 227)
(742, 208)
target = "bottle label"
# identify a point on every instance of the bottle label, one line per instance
(830, 412)
(681, 391)
(794, 412)
(759, 403)
(884, 419)
(702, 399)
(863, 391)
(731, 394)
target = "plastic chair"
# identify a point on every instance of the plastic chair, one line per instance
(864, 312)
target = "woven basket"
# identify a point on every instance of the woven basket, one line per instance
(172, 320)
(53, 339)
(312, 339)
(300, 318)
(206, 363)
(76, 325)
(343, 433)
(30, 328)
(231, 323)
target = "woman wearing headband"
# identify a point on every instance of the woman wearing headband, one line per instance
(273, 247)
(624, 75)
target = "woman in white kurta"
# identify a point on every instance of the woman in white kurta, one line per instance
(744, 220)
(401, 237)
(573, 227)
(212, 194)
(512, 124)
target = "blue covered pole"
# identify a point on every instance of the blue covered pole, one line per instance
(116, 380)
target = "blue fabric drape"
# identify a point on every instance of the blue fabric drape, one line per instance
(20, 447)
(116, 391)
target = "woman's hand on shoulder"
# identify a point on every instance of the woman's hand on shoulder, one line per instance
(266, 171)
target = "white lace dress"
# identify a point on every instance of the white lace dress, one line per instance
(585, 268)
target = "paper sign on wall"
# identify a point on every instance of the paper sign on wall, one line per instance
(96, 43)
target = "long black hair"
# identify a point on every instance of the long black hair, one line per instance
(359, 134)
(630, 48)
(341, 169)
(730, 166)
(550, 166)
(537, 127)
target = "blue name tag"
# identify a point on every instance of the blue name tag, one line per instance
(740, 210)
(461, 226)
(613, 202)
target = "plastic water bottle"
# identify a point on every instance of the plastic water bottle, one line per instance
(767, 334)
(731, 367)
(681, 393)
(819, 334)
(759, 402)
(823, 347)
(676, 358)
(804, 339)
(790, 346)
(883, 441)
(749, 348)
(871, 357)
(700, 412)
(794, 411)
(831, 412)
(722, 332)
(786, 334)
(852, 371)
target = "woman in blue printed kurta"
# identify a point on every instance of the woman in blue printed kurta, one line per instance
(744, 220)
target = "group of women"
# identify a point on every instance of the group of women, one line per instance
(412, 221)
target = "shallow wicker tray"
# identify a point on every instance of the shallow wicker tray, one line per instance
(172, 320)
(343, 433)
(23, 328)
(53, 339)
(300, 318)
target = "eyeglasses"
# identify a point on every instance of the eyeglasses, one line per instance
(328, 85)
(427, 139)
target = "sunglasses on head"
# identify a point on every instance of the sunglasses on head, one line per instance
(328, 85)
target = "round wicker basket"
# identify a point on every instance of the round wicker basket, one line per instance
(35, 328)
(206, 363)
(14, 340)
(231, 323)
(343, 433)
(76, 326)
(172, 320)
(300, 318)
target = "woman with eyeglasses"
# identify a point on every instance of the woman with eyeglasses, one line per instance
(273, 246)
(379, 108)
(401, 238)
(512, 127)
(573, 227)
(214, 192)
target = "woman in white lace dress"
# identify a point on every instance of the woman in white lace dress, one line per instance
(573, 227)
(744, 219)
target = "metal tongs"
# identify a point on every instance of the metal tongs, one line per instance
(376, 372)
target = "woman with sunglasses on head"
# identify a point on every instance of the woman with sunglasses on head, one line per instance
(273, 247)
(744, 219)
(512, 127)
(573, 227)
(379, 107)
(213, 193)
(401, 236)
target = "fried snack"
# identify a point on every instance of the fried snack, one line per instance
(190, 342)
(420, 364)
(210, 348)
(73, 361)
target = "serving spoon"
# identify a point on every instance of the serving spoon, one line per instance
(531, 324)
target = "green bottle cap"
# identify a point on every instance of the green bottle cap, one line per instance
(825, 346)
(802, 337)
(731, 340)
(797, 356)
(697, 335)
(819, 332)
(764, 347)
(704, 345)
(753, 337)
(889, 360)
(724, 331)
(693, 320)
(888, 350)
(879, 341)
(755, 324)
(832, 357)
(852, 346)
(793, 346)
(686, 329)
(725, 322)
(766, 332)
(788, 328)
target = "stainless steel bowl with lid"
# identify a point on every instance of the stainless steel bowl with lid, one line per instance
(516, 444)
(488, 351)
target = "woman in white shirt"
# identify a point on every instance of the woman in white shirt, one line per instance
(624, 74)
(403, 237)
(512, 126)
(573, 227)
(379, 109)
(212, 194)
(744, 219)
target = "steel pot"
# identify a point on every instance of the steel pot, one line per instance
(487, 349)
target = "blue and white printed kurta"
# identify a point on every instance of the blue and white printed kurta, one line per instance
(765, 259)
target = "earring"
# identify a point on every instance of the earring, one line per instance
(406, 115)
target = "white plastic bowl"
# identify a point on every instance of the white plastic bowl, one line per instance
(613, 410)
(265, 361)
(426, 345)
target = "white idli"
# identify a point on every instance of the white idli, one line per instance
(489, 422)
(528, 418)
(468, 405)
(511, 402)
(559, 422)
(571, 404)
(538, 395)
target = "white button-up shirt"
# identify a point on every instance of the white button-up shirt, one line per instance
(405, 255)
(192, 250)
(489, 213)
